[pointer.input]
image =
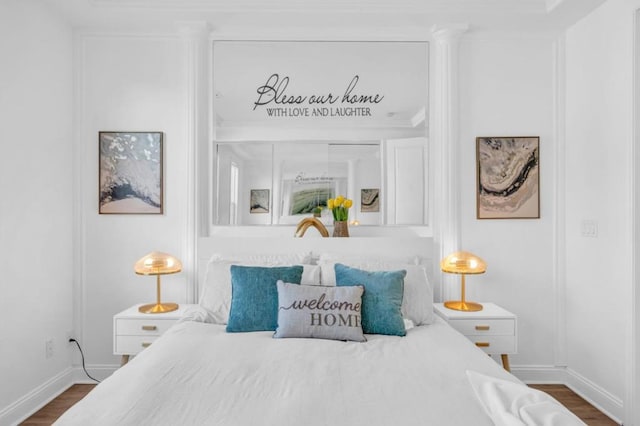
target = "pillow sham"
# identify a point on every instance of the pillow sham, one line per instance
(359, 259)
(254, 303)
(417, 300)
(382, 300)
(273, 259)
(333, 313)
(215, 293)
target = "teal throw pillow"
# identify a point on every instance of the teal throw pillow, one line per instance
(254, 296)
(382, 299)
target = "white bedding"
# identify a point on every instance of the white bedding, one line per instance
(511, 404)
(197, 374)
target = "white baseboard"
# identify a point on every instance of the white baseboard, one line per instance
(540, 374)
(603, 400)
(30, 403)
(37, 398)
(97, 371)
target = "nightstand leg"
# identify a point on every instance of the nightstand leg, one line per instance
(505, 362)
(125, 359)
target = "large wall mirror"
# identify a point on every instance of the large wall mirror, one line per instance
(296, 123)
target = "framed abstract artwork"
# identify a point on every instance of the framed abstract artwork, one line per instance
(259, 201)
(508, 177)
(370, 200)
(130, 173)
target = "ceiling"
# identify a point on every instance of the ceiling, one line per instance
(324, 18)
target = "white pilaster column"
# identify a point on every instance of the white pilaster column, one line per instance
(444, 137)
(194, 36)
(559, 203)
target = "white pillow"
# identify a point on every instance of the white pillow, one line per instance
(417, 301)
(215, 293)
(359, 258)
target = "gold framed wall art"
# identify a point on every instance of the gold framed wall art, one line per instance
(130, 173)
(508, 177)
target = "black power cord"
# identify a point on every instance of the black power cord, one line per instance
(82, 355)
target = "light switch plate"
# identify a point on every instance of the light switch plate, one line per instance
(589, 228)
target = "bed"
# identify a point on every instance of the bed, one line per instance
(204, 371)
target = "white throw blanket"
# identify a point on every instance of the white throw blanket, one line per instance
(515, 404)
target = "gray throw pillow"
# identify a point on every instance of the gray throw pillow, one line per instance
(320, 312)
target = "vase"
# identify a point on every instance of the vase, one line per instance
(340, 228)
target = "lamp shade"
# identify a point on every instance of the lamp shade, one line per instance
(463, 262)
(157, 263)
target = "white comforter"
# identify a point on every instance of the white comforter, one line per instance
(197, 374)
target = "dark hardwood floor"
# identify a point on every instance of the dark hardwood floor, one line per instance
(581, 408)
(50, 412)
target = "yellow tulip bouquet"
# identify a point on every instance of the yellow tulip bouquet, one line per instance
(339, 206)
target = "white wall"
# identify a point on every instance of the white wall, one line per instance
(599, 68)
(506, 90)
(36, 205)
(140, 83)
(128, 83)
(496, 76)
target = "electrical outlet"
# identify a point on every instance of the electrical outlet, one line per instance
(48, 348)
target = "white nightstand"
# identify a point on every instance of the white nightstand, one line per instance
(493, 329)
(133, 331)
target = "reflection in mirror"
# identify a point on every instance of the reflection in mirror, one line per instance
(280, 183)
(310, 174)
(303, 180)
(314, 108)
(319, 90)
(362, 163)
(263, 184)
(406, 182)
(244, 182)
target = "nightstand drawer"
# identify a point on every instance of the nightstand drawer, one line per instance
(482, 327)
(133, 331)
(142, 327)
(495, 344)
(132, 345)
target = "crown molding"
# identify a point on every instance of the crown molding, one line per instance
(448, 32)
(382, 16)
(353, 6)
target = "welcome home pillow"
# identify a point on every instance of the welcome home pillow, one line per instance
(320, 312)
(254, 299)
(382, 300)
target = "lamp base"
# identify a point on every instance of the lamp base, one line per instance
(158, 308)
(458, 305)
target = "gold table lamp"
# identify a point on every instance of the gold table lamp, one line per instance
(463, 263)
(156, 263)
